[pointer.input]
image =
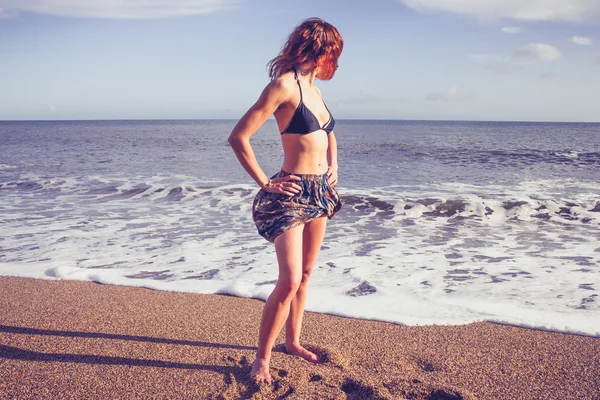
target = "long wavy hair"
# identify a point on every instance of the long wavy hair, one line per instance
(313, 40)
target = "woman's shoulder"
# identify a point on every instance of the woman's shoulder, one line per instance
(285, 80)
(284, 83)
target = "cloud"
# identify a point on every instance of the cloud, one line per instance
(512, 29)
(453, 93)
(523, 56)
(537, 52)
(525, 10)
(582, 40)
(119, 9)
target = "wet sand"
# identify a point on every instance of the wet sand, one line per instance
(68, 339)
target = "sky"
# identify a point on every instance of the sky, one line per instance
(499, 60)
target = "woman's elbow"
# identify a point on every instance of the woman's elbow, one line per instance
(235, 142)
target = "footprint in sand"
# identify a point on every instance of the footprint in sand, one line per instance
(239, 384)
(356, 389)
(416, 389)
(282, 373)
(332, 379)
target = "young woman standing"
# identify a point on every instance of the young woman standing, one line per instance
(292, 207)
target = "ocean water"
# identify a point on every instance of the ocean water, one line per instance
(443, 222)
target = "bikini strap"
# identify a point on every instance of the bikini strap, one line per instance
(298, 82)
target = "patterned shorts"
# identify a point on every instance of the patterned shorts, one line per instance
(275, 213)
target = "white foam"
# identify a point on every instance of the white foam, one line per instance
(570, 154)
(425, 265)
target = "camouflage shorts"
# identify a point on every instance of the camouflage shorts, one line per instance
(275, 213)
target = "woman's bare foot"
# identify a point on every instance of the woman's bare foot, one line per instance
(297, 350)
(260, 371)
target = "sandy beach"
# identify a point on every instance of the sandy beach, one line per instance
(70, 339)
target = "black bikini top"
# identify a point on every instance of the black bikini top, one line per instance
(303, 121)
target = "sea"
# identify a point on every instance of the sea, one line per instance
(443, 223)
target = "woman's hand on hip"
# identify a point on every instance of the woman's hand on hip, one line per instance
(332, 176)
(284, 185)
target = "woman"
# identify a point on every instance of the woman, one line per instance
(292, 207)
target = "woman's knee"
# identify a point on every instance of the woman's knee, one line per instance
(305, 276)
(288, 287)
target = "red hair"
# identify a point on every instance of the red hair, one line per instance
(313, 40)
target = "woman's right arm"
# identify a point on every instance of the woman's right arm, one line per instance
(274, 94)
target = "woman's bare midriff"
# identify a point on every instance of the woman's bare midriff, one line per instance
(305, 154)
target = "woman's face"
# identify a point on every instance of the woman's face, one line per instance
(322, 74)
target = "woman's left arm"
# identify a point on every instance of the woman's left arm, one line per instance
(332, 169)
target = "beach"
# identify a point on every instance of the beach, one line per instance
(73, 339)
(464, 263)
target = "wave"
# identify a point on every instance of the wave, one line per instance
(476, 208)
(448, 201)
(431, 254)
(475, 156)
(522, 157)
(107, 190)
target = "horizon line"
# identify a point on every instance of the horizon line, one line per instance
(339, 119)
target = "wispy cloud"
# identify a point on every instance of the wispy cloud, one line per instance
(526, 10)
(119, 9)
(521, 57)
(512, 29)
(453, 93)
(582, 40)
(537, 52)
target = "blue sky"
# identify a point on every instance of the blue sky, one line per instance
(532, 60)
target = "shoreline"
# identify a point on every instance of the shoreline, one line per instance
(78, 339)
(539, 319)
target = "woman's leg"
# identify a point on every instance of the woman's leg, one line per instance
(288, 247)
(312, 238)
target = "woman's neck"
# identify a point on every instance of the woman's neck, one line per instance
(306, 72)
